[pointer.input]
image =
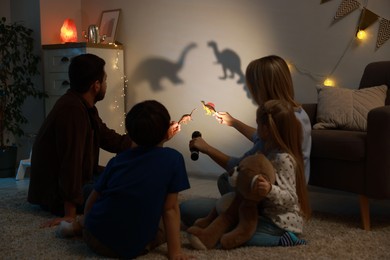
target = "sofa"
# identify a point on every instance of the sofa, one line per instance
(355, 161)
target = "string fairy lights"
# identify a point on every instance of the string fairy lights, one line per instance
(321, 79)
(116, 105)
(124, 93)
(361, 35)
(367, 18)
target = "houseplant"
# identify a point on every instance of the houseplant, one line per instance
(18, 66)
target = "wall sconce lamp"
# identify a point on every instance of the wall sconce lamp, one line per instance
(68, 31)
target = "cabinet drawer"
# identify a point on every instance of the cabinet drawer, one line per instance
(59, 60)
(56, 83)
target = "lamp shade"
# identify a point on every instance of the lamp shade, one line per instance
(68, 31)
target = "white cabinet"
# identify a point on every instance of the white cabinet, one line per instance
(56, 59)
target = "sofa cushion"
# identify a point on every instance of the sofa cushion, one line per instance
(338, 145)
(341, 108)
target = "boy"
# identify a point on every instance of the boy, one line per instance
(138, 188)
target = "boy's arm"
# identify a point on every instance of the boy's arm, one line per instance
(171, 219)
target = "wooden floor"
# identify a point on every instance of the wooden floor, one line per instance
(321, 199)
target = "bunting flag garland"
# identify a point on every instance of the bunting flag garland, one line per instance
(383, 33)
(346, 7)
(366, 19)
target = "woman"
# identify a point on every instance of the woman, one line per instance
(266, 78)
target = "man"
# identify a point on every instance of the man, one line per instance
(65, 153)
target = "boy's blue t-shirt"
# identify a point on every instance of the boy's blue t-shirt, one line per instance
(132, 191)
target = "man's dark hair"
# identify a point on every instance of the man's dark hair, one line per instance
(84, 70)
(147, 123)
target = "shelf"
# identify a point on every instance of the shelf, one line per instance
(82, 45)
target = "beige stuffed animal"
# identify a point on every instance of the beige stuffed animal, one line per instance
(241, 215)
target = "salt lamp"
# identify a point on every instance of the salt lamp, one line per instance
(68, 31)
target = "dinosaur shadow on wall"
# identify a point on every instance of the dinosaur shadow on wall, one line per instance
(153, 70)
(231, 64)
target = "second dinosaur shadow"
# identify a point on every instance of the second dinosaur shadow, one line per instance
(231, 63)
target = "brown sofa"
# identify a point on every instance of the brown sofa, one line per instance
(352, 161)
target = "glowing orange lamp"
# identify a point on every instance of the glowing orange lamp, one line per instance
(68, 31)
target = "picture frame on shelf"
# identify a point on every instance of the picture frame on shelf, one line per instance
(108, 24)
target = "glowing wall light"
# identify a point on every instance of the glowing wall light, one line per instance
(361, 35)
(329, 82)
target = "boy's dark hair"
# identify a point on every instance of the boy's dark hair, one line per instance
(84, 70)
(147, 123)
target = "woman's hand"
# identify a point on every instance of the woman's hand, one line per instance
(224, 118)
(200, 144)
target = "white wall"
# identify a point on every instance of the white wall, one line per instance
(300, 31)
(5, 9)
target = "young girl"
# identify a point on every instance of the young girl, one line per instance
(285, 206)
(138, 188)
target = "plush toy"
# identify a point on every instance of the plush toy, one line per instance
(237, 223)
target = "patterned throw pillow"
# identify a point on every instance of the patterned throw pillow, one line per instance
(347, 109)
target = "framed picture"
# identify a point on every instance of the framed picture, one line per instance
(108, 24)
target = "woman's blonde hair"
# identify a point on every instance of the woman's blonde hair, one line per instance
(285, 134)
(270, 78)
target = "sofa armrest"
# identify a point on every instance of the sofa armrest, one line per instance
(378, 153)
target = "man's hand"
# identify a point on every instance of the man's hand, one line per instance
(56, 221)
(70, 215)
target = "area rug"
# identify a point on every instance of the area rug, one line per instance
(329, 236)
